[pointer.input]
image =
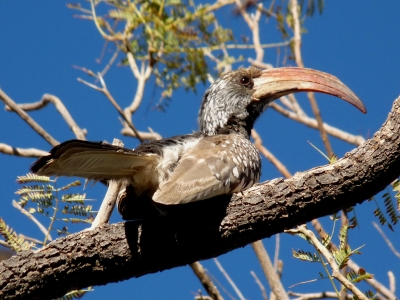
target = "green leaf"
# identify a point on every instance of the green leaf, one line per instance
(17, 242)
(306, 256)
(33, 178)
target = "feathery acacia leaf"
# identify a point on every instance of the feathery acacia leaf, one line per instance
(33, 178)
(359, 276)
(17, 242)
(77, 198)
(76, 294)
(307, 256)
(72, 184)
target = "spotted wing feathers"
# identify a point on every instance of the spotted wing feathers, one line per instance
(209, 169)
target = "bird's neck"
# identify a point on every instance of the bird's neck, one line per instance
(236, 125)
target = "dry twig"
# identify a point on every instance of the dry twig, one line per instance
(260, 285)
(28, 152)
(269, 271)
(47, 98)
(206, 281)
(24, 116)
(312, 123)
(331, 261)
(229, 279)
(33, 219)
(388, 242)
(110, 198)
(320, 295)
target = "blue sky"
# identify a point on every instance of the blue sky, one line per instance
(357, 41)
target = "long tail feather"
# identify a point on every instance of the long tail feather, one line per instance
(91, 160)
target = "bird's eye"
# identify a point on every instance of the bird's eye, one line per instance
(245, 81)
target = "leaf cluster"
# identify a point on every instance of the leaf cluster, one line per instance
(46, 198)
(16, 241)
(392, 206)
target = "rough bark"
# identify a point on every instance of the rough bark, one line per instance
(207, 229)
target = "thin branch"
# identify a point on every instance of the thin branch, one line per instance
(110, 62)
(5, 244)
(331, 261)
(142, 76)
(24, 116)
(294, 9)
(320, 295)
(312, 123)
(260, 285)
(388, 242)
(269, 271)
(268, 155)
(47, 98)
(105, 91)
(150, 135)
(110, 198)
(353, 266)
(276, 254)
(206, 281)
(252, 21)
(27, 152)
(392, 282)
(229, 279)
(33, 219)
(259, 64)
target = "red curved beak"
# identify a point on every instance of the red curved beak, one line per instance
(275, 83)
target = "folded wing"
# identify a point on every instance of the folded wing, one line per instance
(213, 167)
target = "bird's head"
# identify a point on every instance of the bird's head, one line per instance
(234, 101)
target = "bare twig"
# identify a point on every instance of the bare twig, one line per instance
(310, 122)
(320, 295)
(252, 21)
(353, 266)
(5, 244)
(35, 126)
(229, 279)
(105, 91)
(33, 219)
(388, 242)
(294, 9)
(276, 255)
(269, 271)
(258, 143)
(28, 152)
(331, 261)
(206, 281)
(47, 98)
(259, 64)
(110, 198)
(144, 135)
(344, 221)
(260, 285)
(258, 247)
(142, 76)
(392, 282)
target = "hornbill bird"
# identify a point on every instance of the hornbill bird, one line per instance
(217, 160)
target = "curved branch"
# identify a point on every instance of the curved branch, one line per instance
(132, 249)
(26, 152)
(47, 98)
(24, 116)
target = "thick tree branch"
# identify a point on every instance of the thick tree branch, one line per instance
(206, 229)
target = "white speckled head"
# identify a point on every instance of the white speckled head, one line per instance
(228, 96)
